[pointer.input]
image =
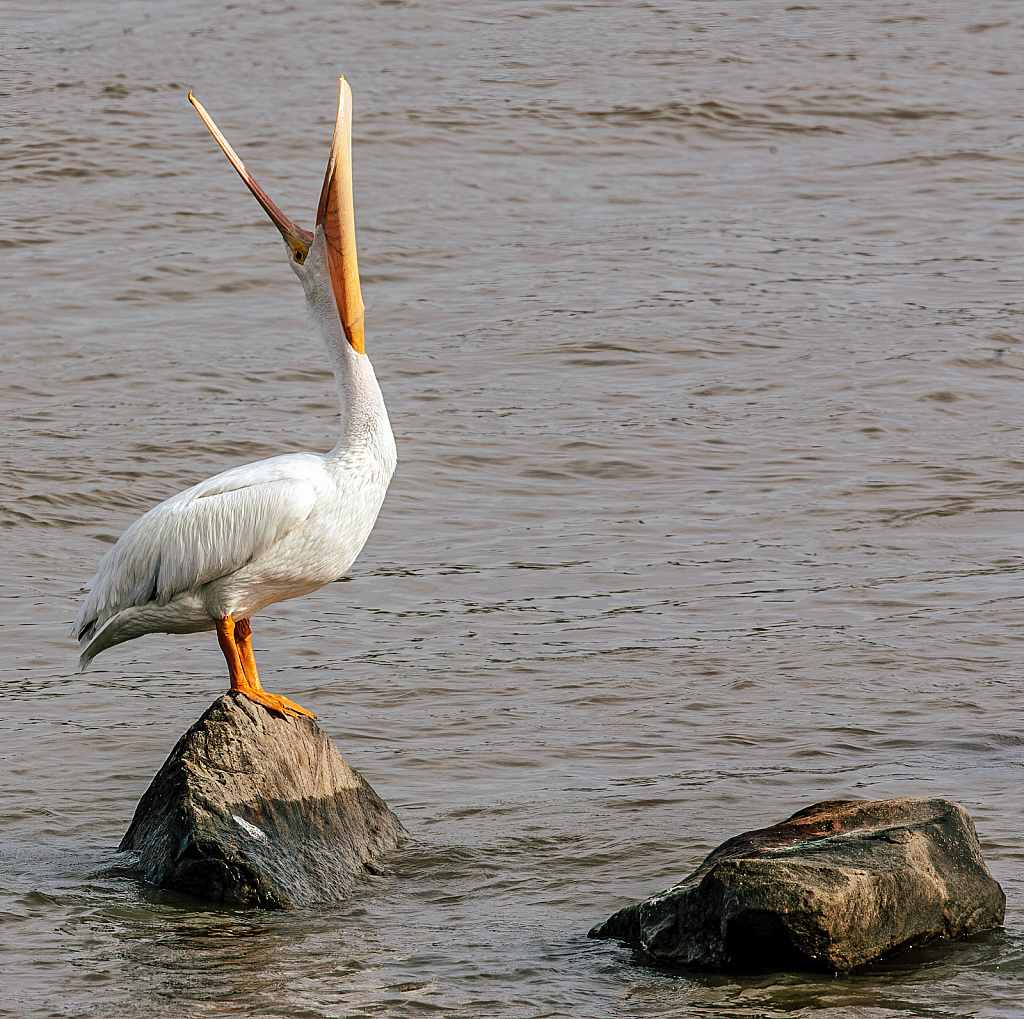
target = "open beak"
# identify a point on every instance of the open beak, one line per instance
(297, 239)
(335, 215)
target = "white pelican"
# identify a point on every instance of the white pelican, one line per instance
(209, 557)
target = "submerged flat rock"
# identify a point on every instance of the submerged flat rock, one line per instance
(255, 809)
(837, 885)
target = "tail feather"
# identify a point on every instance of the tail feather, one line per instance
(94, 639)
(182, 615)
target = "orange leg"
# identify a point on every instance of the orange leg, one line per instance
(243, 641)
(236, 642)
(226, 639)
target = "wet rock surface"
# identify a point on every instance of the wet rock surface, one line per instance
(255, 809)
(835, 886)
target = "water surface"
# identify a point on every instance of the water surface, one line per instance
(699, 326)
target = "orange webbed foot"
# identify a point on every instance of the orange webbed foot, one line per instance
(275, 702)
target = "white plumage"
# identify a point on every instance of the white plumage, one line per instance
(220, 551)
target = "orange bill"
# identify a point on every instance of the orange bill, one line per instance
(337, 217)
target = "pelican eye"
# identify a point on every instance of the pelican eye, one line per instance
(300, 256)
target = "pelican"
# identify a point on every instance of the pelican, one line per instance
(215, 554)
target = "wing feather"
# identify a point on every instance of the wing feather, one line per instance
(205, 533)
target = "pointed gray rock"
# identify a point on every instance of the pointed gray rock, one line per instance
(837, 885)
(255, 809)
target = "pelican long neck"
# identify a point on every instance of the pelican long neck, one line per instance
(364, 418)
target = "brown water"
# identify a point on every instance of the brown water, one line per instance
(700, 329)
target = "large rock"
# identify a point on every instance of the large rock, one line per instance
(835, 886)
(255, 809)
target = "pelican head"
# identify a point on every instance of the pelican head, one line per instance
(333, 242)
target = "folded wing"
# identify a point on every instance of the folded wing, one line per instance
(192, 539)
